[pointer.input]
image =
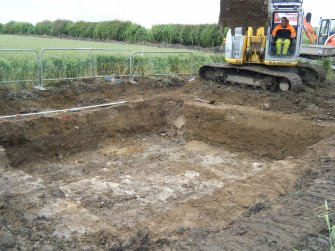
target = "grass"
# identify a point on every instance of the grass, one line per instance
(330, 226)
(327, 214)
(328, 64)
(80, 63)
(38, 43)
(18, 66)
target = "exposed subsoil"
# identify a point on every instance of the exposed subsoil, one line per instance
(181, 166)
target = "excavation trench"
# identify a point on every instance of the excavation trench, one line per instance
(242, 129)
(158, 164)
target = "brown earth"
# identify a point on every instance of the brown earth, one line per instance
(241, 13)
(180, 166)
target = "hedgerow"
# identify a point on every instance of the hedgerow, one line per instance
(204, 35)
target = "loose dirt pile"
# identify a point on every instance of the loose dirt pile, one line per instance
(241, 13)
(182, 166)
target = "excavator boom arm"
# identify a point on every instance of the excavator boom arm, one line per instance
(309, 32)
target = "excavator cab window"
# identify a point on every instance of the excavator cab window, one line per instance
(332, 27)
(324, 31)
(292, 18)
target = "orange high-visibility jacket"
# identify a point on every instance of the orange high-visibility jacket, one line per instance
(281, 32)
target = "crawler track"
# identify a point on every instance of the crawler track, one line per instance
(311, 74)
(268, 78)
(258, 76)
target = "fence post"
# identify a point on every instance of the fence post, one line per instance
(40, 75)
(131, 73)
(92, 63)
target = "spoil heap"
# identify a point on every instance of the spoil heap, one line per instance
(243, 13)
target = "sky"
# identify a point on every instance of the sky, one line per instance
(143, 12)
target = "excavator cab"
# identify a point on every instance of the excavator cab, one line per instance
(255, 45)
(292, 20)
(293, 11)
(326, 32)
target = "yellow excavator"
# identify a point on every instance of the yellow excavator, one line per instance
(250, 49)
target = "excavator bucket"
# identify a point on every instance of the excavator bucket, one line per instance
(243, 13)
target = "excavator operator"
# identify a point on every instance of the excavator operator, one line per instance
(283, 33)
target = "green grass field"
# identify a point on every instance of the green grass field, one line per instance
(15, 66)
(38, 43)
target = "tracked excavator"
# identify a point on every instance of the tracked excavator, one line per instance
(325, 34)
(250, 49)
(322, 42)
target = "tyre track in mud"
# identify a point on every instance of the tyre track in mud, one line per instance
(286, 228)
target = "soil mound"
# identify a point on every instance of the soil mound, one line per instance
(240, 13)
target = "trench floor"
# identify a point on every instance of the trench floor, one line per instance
(126, 182)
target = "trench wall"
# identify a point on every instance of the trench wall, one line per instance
(260, 132)
(62, 134)
(267, 134)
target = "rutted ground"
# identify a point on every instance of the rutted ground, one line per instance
(167, 170)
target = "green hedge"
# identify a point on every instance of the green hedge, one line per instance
(82, 29)
(43, 28)
(205, 35)
(18, 28)
(61, 27)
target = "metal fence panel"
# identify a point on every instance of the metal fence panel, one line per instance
(19, 66)
(80, 63)
(162, 64)
(54, 64)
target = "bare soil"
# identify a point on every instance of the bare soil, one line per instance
(240, 13)
(180, 166)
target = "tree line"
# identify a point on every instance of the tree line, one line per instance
(204, 35)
